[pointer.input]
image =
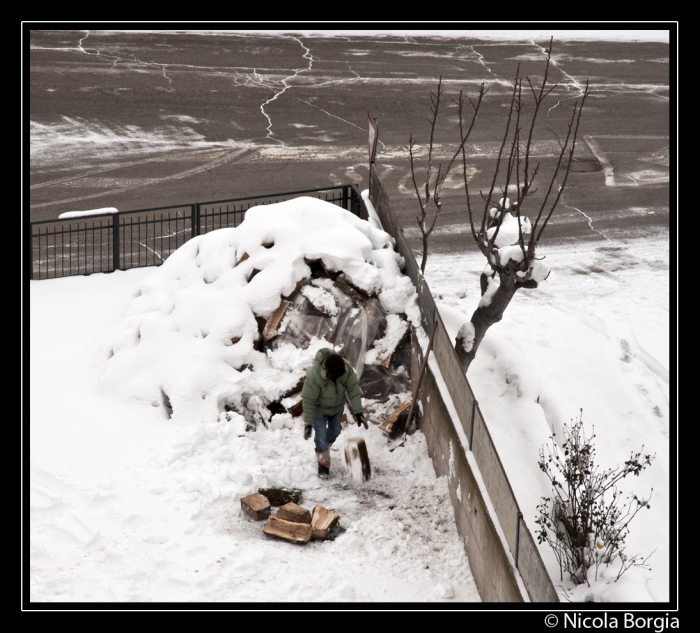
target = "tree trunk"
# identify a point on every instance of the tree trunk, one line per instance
(485, 316)
(424, 258)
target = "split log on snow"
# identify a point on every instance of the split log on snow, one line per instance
(257, 506)
(357, 459)
(322, 521)
(293, 391)
(289, 530)
(293, 512)
(273, 322)
(281, 496)
(396, 422)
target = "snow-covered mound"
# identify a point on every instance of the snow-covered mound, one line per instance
(191, 338)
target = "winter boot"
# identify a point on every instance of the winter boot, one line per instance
(324, 463)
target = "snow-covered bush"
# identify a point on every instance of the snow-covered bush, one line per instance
(586, 520)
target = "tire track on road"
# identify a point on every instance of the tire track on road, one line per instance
(219, 160)
(156, 159)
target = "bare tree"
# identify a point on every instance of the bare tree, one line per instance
(506, 237)
(441, 174)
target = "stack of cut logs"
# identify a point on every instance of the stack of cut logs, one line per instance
(292, 522)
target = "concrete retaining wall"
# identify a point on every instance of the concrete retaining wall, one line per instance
(499, 534)
(493, 571)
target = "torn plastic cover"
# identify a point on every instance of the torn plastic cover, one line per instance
(351, 335)
(353, 330)
(302, 323)
(356, 331)
(379, 382)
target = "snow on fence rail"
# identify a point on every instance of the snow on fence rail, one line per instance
(519, 540)
(106, 240)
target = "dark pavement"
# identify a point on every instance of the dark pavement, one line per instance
(136, 119)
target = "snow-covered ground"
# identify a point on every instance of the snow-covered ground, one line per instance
(593, 337)
(128, 505)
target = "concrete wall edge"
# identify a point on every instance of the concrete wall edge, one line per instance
(449, 405)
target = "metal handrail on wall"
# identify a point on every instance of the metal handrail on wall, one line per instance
(147, 237)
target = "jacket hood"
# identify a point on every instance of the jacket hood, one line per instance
(320, 358)
(322, 354)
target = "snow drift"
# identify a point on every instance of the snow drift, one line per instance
(193, 339)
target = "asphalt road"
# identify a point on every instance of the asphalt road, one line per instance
(142, 119)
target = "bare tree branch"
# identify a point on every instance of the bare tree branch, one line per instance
(500, 152)
(442, 174)
(464, 137)
(568, 165)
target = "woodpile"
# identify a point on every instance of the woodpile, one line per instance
(326, 304)
(292, 522)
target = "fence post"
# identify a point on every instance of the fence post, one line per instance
(471, 430)
(196, 229)
(356, 200)
(517, 537)
(345, 198)
(115, 242)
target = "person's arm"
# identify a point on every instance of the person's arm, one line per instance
(310, 393)
(352, 386)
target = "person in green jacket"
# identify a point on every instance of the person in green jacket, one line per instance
(323, 398)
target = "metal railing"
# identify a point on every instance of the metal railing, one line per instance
(147, 237)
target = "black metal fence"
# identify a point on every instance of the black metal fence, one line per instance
(147, 237)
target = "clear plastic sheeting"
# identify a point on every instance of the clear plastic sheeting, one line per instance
(351, 335)
(357, 330)
(358, 322)
(302, 323)
(379, 382)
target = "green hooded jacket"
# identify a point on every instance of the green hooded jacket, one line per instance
(321, 396)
